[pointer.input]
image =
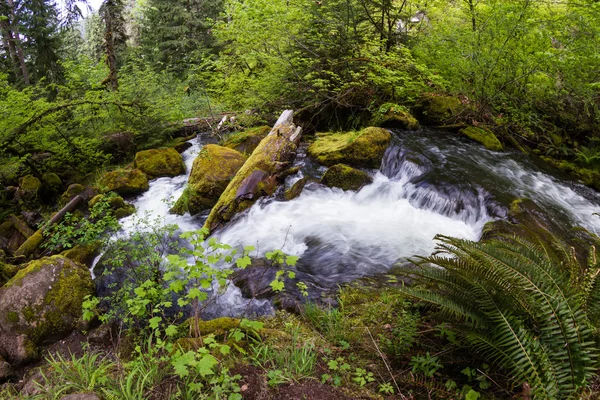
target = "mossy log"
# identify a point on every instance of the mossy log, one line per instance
(34, 241)
(260, 174)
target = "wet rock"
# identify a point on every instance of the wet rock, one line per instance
(437, 110)
(247, 141)
(160, 162)
(394, 116)
(181, 147)
(212, 171)
(125, 182)
(483, 136)
(83, 254)
(101, 334)
(296, 189)
(345, 177)
(358, 149)
(41, 303)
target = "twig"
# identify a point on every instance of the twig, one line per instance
(385, 362)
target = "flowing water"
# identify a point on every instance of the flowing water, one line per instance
(429, 183)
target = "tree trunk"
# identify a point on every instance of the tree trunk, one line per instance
(112, 80)
(15, 39)
(261, 173)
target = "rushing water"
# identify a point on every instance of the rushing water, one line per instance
(429, 183)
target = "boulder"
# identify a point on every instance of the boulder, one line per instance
(120, 145)
(345, 177)
(246, 141)
(160, 162)
(118, 206)
(212, 171)
(5, 370)
(438, 110)
(77, 189)
(483, 136)
(83, 254)
(394, 116)
(125, 181)
(261, 173)
(296, 189)
(29, 189)
(41, 303)
(358, 149)
(52, 183)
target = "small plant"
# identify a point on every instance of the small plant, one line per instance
(426, 364)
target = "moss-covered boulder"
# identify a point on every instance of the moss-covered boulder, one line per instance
(83, 254)
(587, 176)
(358, 149)
(7, 271)
(194, 327)
(29, 190)
(42, 303)
(246, 141)
(345, 177)
(296, 189)
(437, 110)
(125, 181)
(160, 162)
(392, 115)
(212, 171)
(72, 191)
(118, 206)
(483, 136)
(52, 182)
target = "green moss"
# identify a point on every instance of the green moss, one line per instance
(438, 110)
(247, 141)
(345, 177)
(32, 266)
(52, 180)
(83, 253)
(212, 171)
(72, 191)
(218, 326)
(125, 211)
(296, 189)
(181, 205)
(5, 228)
(589, 177)
(7, 271)
(160, 162)
(12, 317)
(30, 183)
(483, 136)
(31, 244)
(360, 149)
(391, 115)
(125, 181)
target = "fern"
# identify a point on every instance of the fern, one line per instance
(528, 307)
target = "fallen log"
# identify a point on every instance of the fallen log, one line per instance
(261, 174)
(35, 240)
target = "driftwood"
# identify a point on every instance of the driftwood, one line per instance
(261, 173)
(35, 240)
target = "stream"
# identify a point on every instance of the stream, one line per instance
(430, 183)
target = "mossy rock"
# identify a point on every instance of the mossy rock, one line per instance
(212, 171)
(53, 181)
(160, 162)
(392, 115)
(345, 177)
(483, 136)
(120, 208)
(7, 271)
(72, 191)
(43, 302)
(123, 212)
(83, 254)
(125, 181)
(217, 326)
(296, 189)
(29, 190)
(358, 149)
(438, 110)
(247, 141)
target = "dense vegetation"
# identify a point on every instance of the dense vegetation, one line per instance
(508, 316)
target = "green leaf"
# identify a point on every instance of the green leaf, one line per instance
(153, 322)
(243, 262)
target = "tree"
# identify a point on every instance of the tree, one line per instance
(115, 38)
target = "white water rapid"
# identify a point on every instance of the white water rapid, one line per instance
(430, 183)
